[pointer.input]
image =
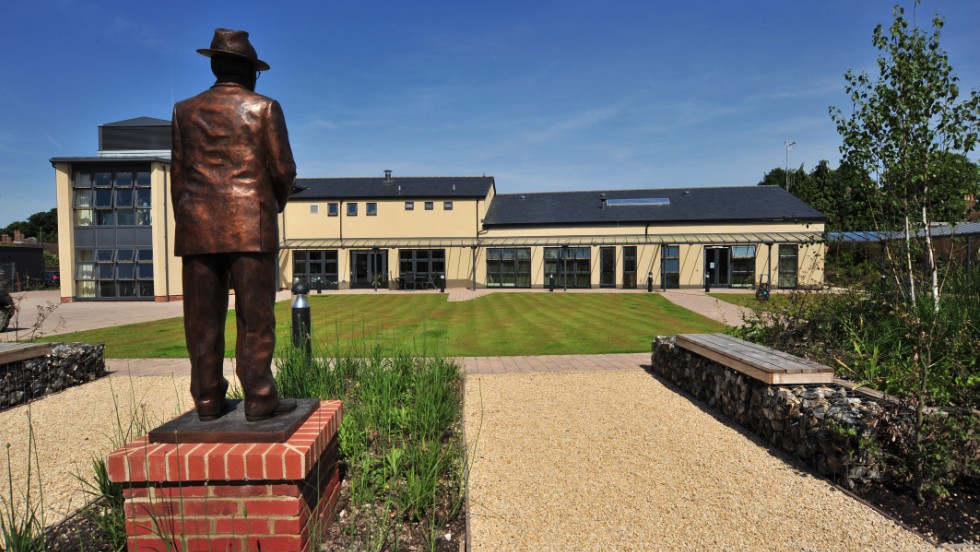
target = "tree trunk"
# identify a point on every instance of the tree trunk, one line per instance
(908, 259)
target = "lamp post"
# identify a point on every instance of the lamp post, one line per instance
(302, 331)
(788, 144)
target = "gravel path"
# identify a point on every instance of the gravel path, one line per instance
(615, 460)
(75, 426)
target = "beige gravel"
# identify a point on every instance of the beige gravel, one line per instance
(79, 424)
(618, 461)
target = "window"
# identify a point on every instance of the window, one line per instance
(788, 263)
(670, 266)
(569, 265)
(409, 205)
(426, 264)
(447, 205)
(352, 209)
(318, 268)
(112, 212)
(743, 266)
(113, 273)
(120, 198)
(428, 206)
(629, 267)
(333, 209)
(314, 209)
(509, 267)
(372, 209)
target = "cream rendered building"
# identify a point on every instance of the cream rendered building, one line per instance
(116, 231)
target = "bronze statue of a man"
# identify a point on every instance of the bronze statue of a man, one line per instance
(232, 173)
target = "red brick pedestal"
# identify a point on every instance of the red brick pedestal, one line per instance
(244, 496)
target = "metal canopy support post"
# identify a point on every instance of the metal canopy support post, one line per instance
(474, 267)
(564, 257)
(769, 264)
(663, 280)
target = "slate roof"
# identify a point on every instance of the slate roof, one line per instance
(408, 187)
(687, 205)
(139, 122)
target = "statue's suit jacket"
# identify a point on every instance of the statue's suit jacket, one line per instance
(232, 171)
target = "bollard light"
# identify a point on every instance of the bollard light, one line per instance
(302, 330)
(650, 282)
(551, 282)
(442, 282)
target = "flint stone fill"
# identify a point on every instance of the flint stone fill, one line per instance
(825, 426)
(68, 365)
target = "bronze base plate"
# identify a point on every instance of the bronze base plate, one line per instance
(231, 427)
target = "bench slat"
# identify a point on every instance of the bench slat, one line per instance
(762, 363)
(16, 352)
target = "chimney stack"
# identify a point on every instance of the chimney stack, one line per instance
(388, 179)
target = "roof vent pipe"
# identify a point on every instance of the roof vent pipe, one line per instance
(387, 176)
(602, 200)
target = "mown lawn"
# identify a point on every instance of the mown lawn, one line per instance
(497, 324)
(748, 300)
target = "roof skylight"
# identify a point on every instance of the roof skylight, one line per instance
(638, 201)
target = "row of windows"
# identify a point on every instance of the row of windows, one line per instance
(333, 209)
(113, 273)
(112, 198)
(563, 266)
(110, 179)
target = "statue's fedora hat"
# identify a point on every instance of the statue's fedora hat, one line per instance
(233, 43)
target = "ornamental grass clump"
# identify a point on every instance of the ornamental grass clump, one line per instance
(401, 444)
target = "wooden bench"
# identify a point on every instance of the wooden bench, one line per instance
(762, 363)
(15, 352)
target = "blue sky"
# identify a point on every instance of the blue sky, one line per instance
(543, 95)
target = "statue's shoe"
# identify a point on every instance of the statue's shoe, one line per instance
(212, 413)
(284, 407)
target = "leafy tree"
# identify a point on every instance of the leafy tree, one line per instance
(837, 193)
(906, 129)
(42, 225)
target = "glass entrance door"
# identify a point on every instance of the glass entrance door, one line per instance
(717, 265)
(788, 262)
(629, 267)
(369, 268)
(607, 269)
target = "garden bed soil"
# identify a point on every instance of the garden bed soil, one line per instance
(953, 519)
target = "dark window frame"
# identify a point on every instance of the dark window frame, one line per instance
(315, 265)
(572, 266)
(427, 264)
(630, 259)
(508, 267)
(670, 279)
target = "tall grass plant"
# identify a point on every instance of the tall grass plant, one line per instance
(401, 438)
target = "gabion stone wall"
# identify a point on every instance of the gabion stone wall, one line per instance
(68, 365)
(826, 426)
